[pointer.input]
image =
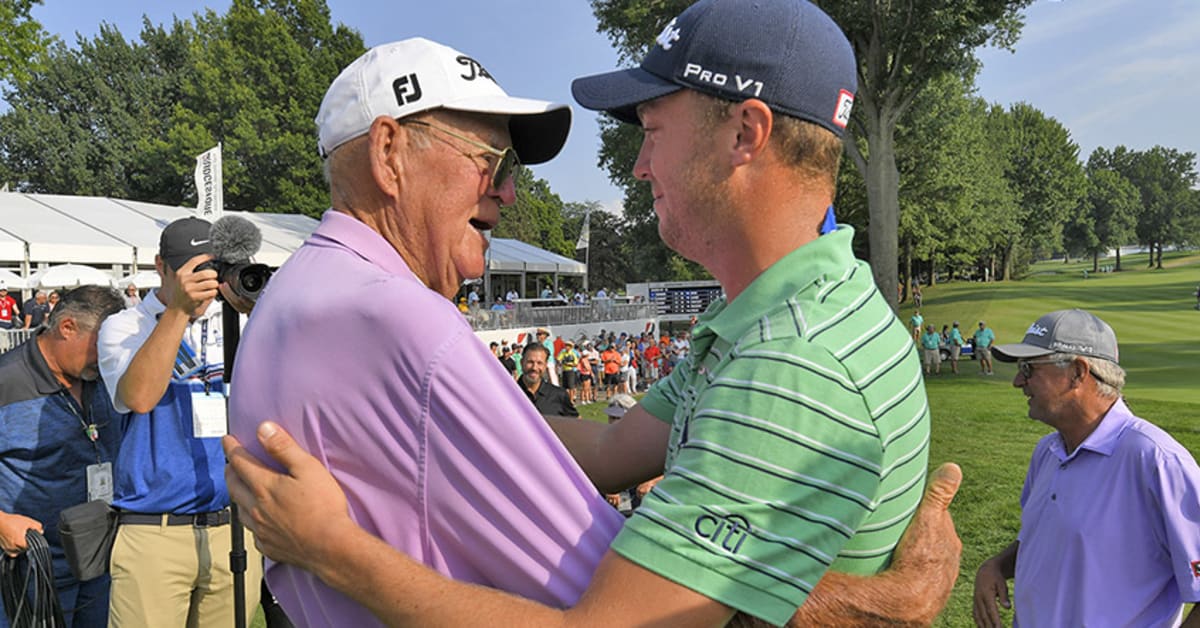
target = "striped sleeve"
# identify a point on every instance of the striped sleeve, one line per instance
(778, 465)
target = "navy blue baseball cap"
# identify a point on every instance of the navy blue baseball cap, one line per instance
(787, 53)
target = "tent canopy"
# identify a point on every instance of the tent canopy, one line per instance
(53, 229)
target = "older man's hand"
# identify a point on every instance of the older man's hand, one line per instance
(930, 550)
(296, 516)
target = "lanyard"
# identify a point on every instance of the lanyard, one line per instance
(90, 429)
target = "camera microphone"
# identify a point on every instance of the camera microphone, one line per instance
(234, 239)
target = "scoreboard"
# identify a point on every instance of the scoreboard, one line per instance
(677, 300)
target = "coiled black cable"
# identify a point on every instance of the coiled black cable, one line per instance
(27, 586)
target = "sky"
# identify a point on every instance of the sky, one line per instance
(1111, 71)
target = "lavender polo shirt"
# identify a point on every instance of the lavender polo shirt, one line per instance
(439, 452)
(1110, 535)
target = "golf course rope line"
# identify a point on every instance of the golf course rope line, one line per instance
(27, 586)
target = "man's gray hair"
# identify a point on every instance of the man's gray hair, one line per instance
(87, 305)
(1109, 376)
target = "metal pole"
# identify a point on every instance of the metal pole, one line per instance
(232, 332)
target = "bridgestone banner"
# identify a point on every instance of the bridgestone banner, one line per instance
(211, 205)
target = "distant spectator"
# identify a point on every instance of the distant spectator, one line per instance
(601, 294)
(462, 305)
(131, 296)
(547, 293)
(653, 361)
(956, 343)
(497, 306)
(587, 394)
(473, 298)
(930, 346)
(611, 359)
(52, 300)
(495, 348)
(568, 359)
(506, 358)
(918, 300)
(550, 400)
(10, 314)
(543, 336)
(984, 338)
(915, 323)
(37, 310)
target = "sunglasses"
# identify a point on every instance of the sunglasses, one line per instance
(507, 161)
(1025, 367)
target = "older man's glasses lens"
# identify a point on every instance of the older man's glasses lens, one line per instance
(1025, 367)
(506, 160)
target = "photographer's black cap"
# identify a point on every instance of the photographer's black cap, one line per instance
(184, 239)
(787, 53)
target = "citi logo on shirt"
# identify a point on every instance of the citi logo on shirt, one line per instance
(729, 531)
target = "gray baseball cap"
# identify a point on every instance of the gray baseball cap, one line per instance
(1064, 331)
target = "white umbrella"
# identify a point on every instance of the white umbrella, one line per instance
(142, 279)
(70, 276)
(12, 280)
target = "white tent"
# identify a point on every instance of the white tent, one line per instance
(70, 276)
(12, 281)
(142, 279)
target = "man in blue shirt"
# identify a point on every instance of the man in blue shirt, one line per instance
(984, 338)
(59, 440)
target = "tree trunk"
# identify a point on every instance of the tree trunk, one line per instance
(905, 287)
(1118, 264)
(1095, 261)
(883, 199)
(1006, 260)
(1160, 247)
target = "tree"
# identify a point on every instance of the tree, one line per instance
(22, 40)
(127, 119)
(79, 124)
(1164, 178)
(954, 194)
(901, 47)
(537, 216)
(1045, 175)
(608, 265)
(1108, 216)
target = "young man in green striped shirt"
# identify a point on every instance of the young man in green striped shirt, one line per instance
(794, 438)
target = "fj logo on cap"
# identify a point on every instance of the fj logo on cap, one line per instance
(668, 36)
(474, 69)
(407, 88)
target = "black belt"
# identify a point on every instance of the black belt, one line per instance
(200, 520)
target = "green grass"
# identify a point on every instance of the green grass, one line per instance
(981, 423)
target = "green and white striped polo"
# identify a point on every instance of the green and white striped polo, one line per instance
(799, 441)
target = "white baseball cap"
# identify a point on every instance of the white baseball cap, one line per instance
(407, 77)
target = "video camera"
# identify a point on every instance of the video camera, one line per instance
(234, 241)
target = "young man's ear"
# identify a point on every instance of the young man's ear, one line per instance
(755, 122)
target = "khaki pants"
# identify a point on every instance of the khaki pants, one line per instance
(173, 576)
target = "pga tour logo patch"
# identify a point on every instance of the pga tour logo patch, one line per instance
(845, 103)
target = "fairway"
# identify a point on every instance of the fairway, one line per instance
(981, 423)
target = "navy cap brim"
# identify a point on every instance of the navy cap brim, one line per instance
(538, 137)
(620, 92)
(1019, 351)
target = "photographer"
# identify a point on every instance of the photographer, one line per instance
(170, 487)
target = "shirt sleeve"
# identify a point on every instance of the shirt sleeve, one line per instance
(117, 343)
(1177, 483)
(775, 470)
(498, 481)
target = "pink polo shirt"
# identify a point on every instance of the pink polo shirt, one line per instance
(439, 452)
